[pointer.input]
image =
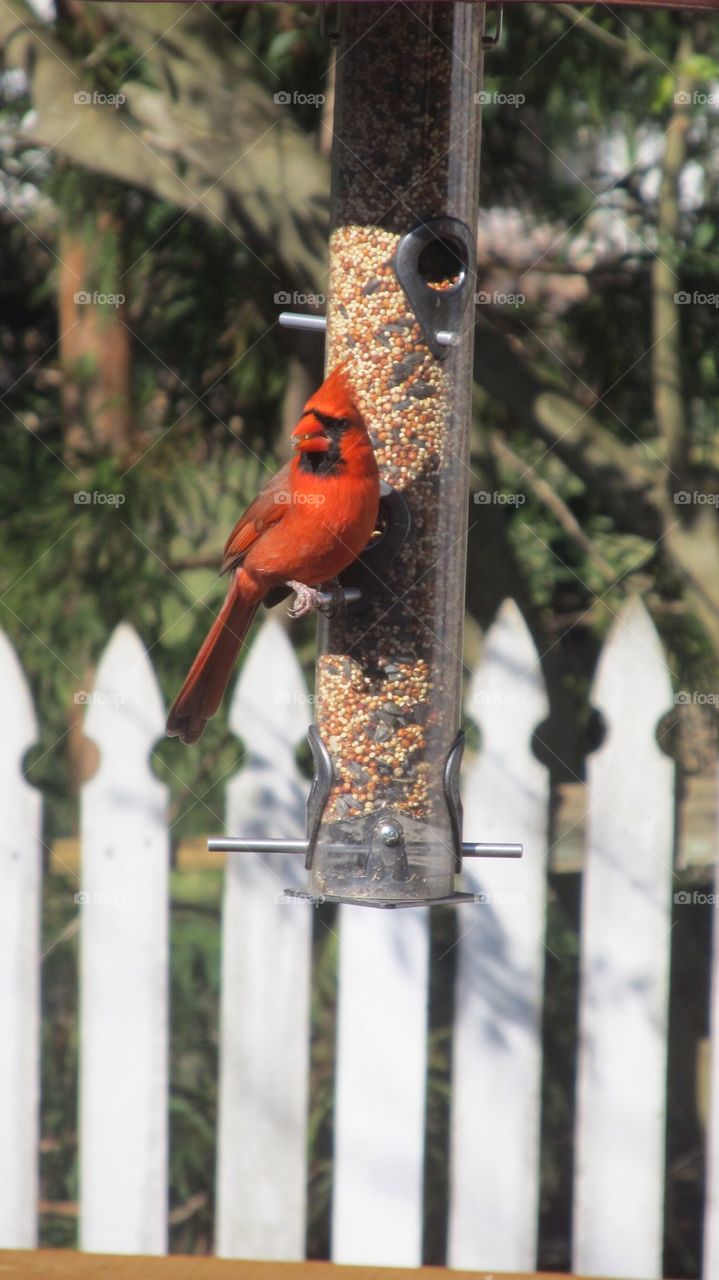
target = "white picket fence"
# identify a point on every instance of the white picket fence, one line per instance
(383, 984)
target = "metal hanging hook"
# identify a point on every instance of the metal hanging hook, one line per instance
(330, 23)
(492, 40)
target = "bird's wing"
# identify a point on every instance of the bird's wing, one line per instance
(268, 507)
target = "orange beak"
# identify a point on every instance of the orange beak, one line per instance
(310, 436)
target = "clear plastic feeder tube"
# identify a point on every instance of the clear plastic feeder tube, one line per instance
(405, 200)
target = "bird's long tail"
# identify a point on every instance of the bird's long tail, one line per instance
(208, 677)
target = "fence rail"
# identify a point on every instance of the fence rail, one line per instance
(68, 1265)
(627, 894)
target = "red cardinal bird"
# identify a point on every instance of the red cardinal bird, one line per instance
(312, 520)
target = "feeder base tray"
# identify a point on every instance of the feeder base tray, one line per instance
(314, 899)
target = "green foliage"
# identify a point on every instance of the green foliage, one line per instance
(59, 1059)
(323, 1031)
(194, 1005)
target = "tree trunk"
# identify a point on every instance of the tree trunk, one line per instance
(95, 346)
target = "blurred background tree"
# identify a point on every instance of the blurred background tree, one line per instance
(145, 156)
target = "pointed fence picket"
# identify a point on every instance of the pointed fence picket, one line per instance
(264, 1054)
(383, 983)
(379, 1104)
(124, 963)
(20, 878)
(625, 943)
(497, 1044)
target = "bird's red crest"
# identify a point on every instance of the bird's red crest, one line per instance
(335, 396)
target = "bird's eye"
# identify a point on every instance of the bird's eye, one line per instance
(329, 422)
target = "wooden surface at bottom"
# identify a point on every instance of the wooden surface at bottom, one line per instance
(63, 1264)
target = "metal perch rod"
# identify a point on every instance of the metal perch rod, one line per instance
(228, 844)
(318, 324)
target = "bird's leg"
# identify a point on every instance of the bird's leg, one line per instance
(329, 607)
(306, 599)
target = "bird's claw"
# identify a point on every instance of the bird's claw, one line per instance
(325, 602)
(306, 599)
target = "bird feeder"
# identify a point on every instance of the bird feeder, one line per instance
(405, 188)
(384, 815)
